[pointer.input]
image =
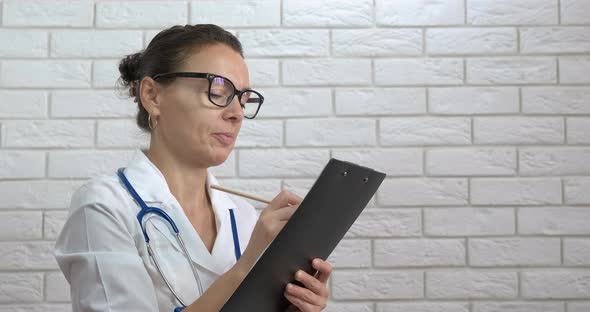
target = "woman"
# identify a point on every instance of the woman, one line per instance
(187, 85)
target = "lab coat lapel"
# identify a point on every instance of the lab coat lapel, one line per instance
(151, 185)
(223, 249)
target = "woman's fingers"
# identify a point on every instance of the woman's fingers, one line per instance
(324, 269)
(285, 213)
(284, 198)
(298, 304)
(311, 283)
(304, 298)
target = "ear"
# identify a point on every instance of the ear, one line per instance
(149, 93)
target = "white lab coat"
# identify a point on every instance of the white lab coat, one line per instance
(103, 255)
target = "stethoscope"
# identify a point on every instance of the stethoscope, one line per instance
(145, 209)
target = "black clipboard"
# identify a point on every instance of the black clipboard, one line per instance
(334, 202)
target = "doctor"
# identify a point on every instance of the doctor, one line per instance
(154, 236)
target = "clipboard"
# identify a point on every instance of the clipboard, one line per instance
(331, 206)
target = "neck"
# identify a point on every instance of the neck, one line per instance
(187, 183)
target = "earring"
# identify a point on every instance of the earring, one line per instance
(150, 124)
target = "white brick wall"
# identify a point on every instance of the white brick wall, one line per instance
(478, 111)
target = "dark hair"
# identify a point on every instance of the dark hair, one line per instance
(166, 53)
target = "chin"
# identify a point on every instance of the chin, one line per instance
(220, 157)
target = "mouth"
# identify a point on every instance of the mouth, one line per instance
(225, 138)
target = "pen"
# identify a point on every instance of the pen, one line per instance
(239, 193)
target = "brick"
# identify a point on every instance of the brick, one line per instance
(53, 222)
(329, 13)
(105, 74)
(288, 42)
(511, 70)
(377, 42)
(109, 134)
(23, 104)
(141, 14)
(330, 132)
(323, 72)
(515, 191)
(394, 162)
(425, 131)
(578, 306)
(421, 12)
(260, 133)
(554, 162)
(57, 287)
(387, 223)
(471, 284)
(518, 307)
(36, 194)
(576, 251)
(19, 287)
(422, 191)
(518, 130)
(349, 307)
(298, 186)
(555, 40)
(299, 102)
(48, 74)
(471, 40)
(515, 252)
(422, 307)
(86, 164)
(419, 252)
(383, 101)
(574, 69)
(263, 73)
(224, 13)
(474, 161)
(422, 71)
(507, 12)
(23, 43)
(20, 225)
(377, 285)
(577, 190)
(22, 164)
(556, 284)
(48, 133)
(48, 14)
(554, 221)
(575, 12)
(107, 103)
(473, 100)
(95, 43)
(351, 254)
(27, 256)
(469, 221)
(556, 100)
(282, 163)
(577, 130)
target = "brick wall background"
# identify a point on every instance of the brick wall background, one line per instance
(478, 111)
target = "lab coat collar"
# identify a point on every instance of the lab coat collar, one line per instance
(151, 185)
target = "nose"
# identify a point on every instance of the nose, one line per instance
(234, 110)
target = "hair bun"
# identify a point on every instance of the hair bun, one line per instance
(129, 67)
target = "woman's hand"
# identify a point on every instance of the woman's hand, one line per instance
(314, 296)
(271, 221)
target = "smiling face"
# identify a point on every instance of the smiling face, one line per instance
(194, 129)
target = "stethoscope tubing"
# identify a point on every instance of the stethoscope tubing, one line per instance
(145, 209)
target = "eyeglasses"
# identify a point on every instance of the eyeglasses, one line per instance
(222, 91)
